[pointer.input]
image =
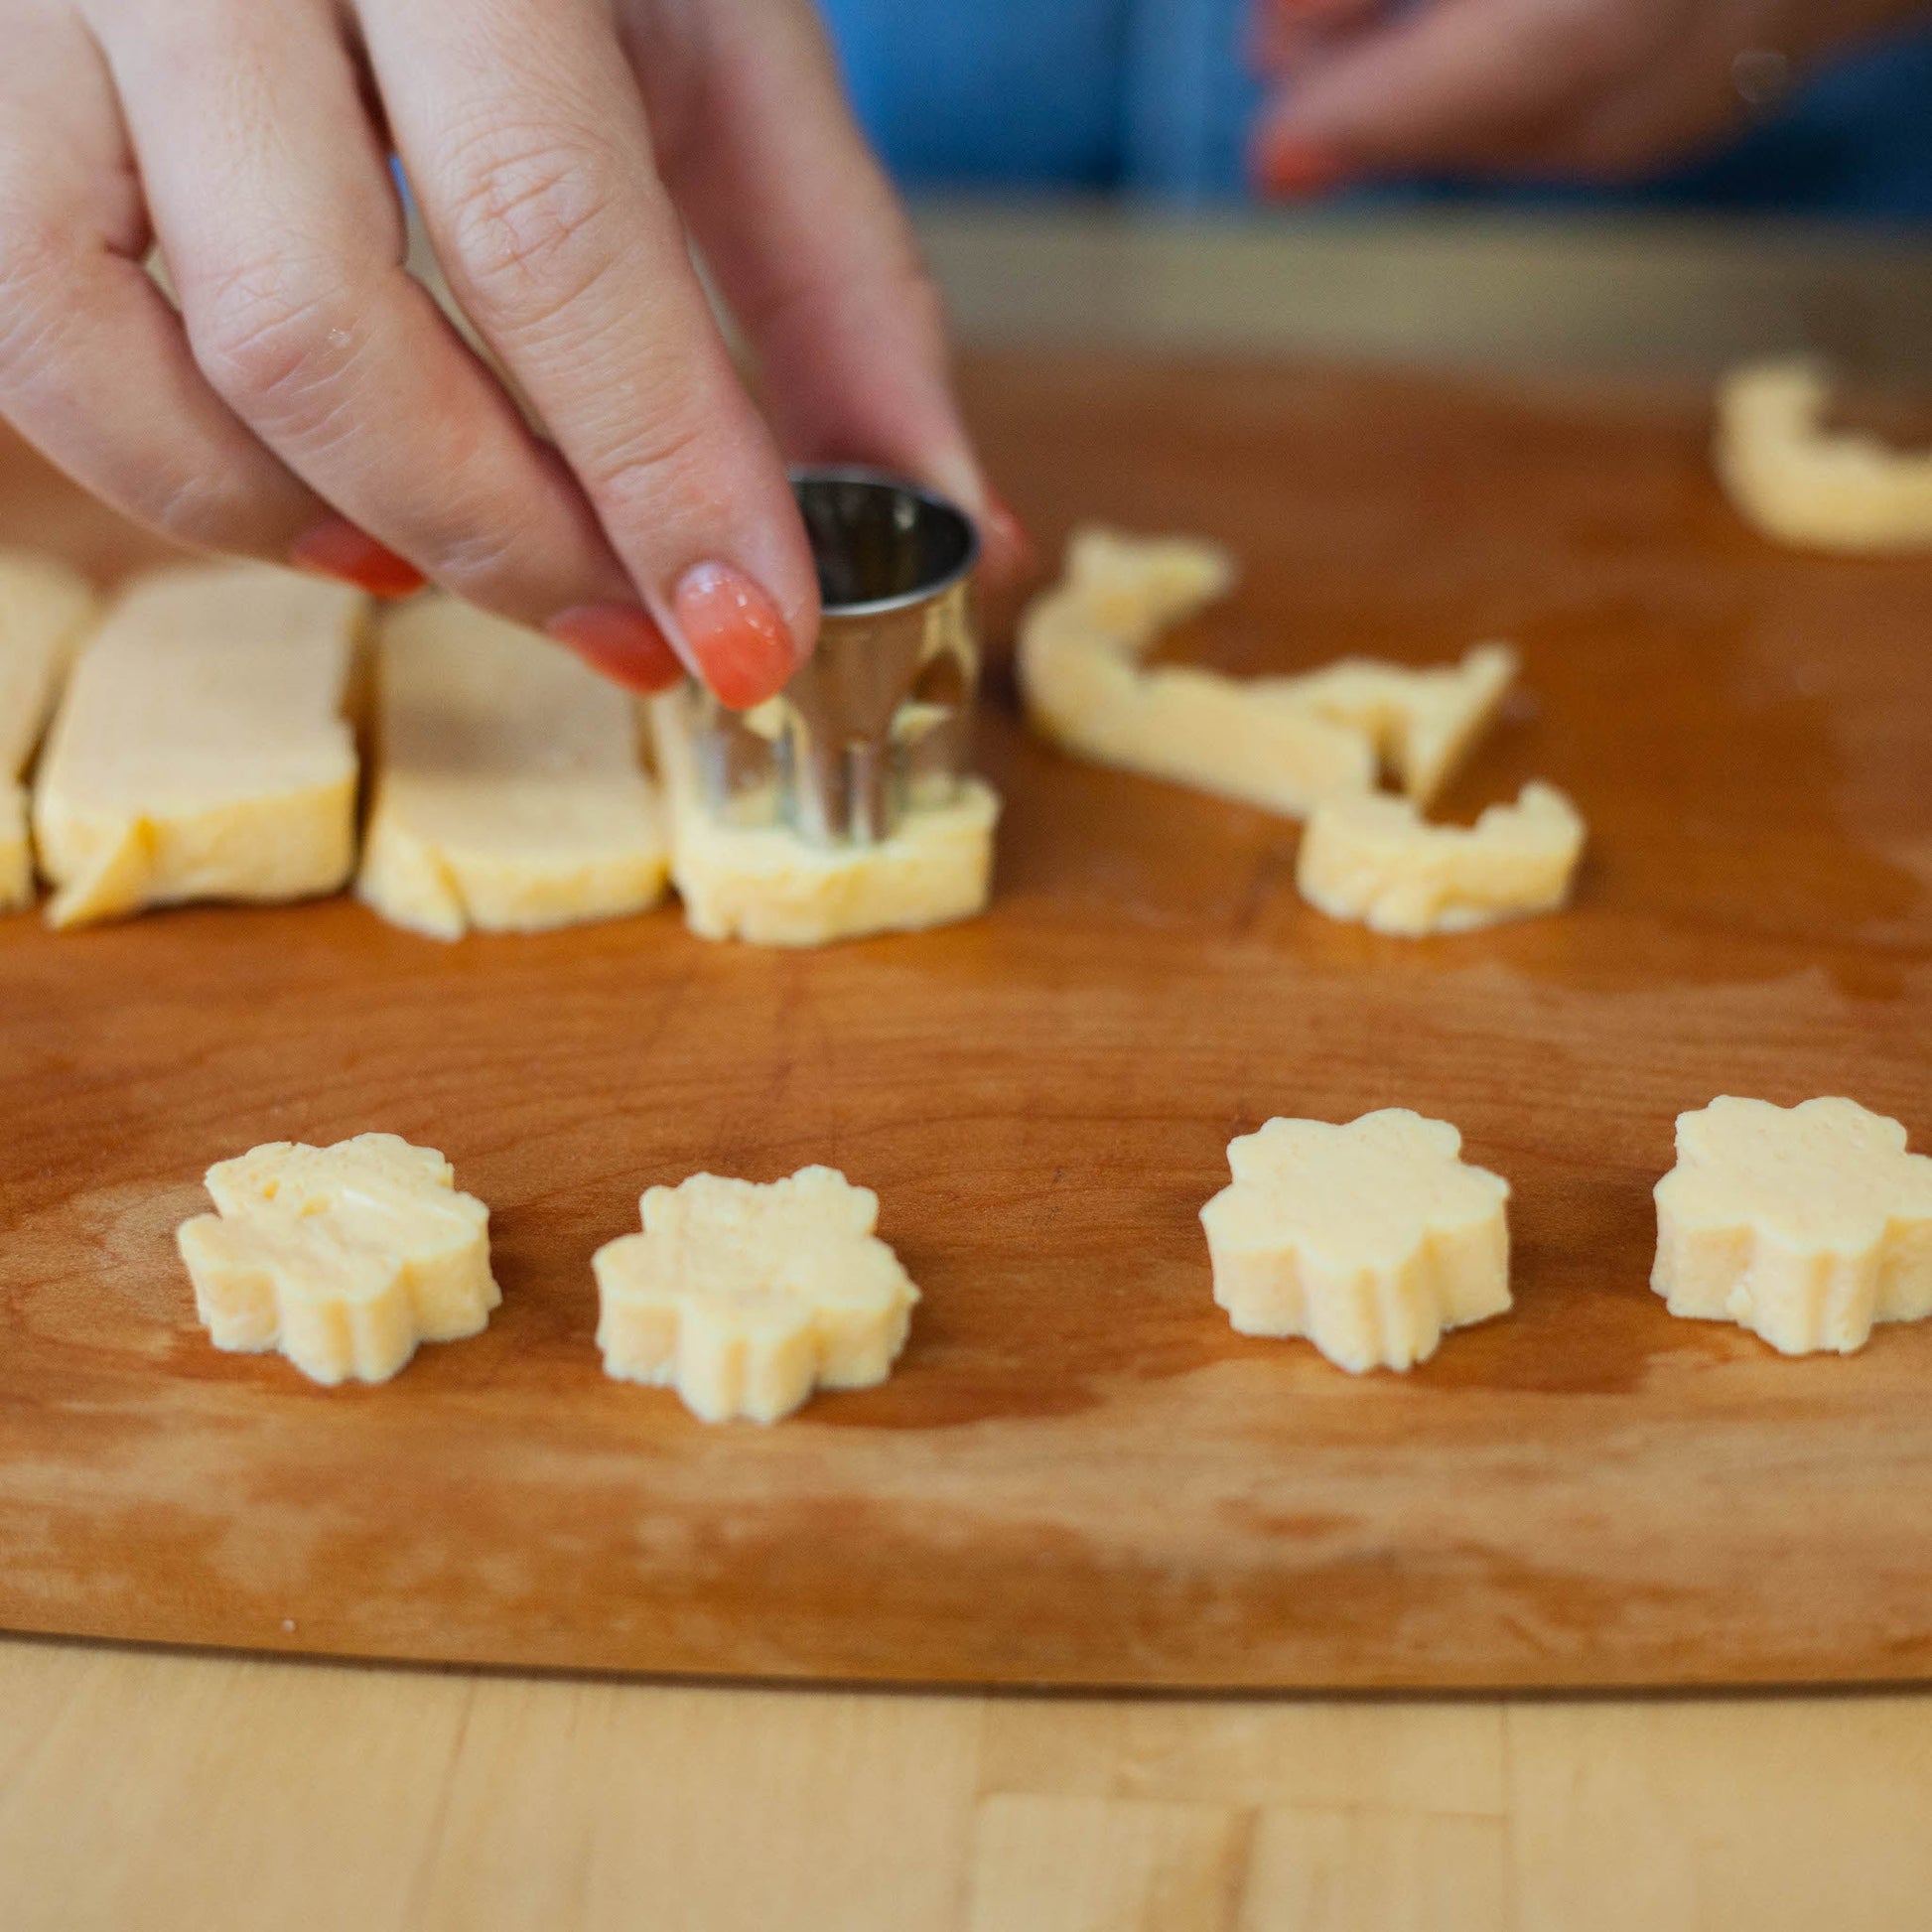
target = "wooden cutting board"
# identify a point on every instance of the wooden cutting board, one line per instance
(1080, 1475)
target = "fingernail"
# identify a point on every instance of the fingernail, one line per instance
(1296, 165)
(622, 640)
(337, 548)
(735, 631)
(1008, 547)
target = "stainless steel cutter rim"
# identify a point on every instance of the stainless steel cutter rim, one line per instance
(860, 472)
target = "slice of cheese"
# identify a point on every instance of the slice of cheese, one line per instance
(1370, 1239)
(200, 752)
(1284, 743)
(1804, 484)
(342, 1256)
(510, 793)
(1805, 1224)
(764, 884)
(745, 1298)
(1372, 859)
(43, 609)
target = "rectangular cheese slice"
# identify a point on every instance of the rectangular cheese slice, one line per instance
(767, 885)
(200, 752)
(510, 792)
(43, 609)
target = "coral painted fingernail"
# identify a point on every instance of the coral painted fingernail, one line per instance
(337, 548)
(1293, 165)
(622, 640)
(736, 632)
(1008, 546)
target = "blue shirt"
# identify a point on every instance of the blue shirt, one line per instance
(1151, 98)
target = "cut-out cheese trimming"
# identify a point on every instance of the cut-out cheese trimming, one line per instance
(1805, 484)
(1372, 859)
(1284, 743)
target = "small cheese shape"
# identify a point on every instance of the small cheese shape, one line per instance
(744, 1298)
(1804, 1224)
(1284, 743)
(342, 1256)
(764, 884)
(1804, 484)
(200, 752)
(510, 793)
(1369, 1239)
(1373, 859)
(43, 609)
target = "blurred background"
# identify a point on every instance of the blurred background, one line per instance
(1155, 99)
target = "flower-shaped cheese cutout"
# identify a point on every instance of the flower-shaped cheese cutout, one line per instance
(1805, 1224)
(744, 1298)
(1369, 1239)
(343, 1256)
(1373, 858)
(1806, 485)
(1284, 743)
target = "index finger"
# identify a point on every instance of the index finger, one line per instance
(524, 137)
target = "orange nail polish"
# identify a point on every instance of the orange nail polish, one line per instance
(1009, 548)
(1296, 167)
(337, 548)
(622, 640)
(736, 633)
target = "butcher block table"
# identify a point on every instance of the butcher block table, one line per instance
(1079, 1478)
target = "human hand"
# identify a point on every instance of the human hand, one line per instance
(310, 403)
(1595, 88)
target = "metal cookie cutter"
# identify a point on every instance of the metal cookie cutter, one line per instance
(878, 722)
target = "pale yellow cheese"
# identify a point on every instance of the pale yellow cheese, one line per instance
(200, 751)
(1815, 488)
(744, 1299)
(43, 609)
(342, 1256)
(1421, 722)
(1284, 743)
(1805, 1224)
(765, 883)
(1370, 1239)
(510, 792)
(1372, 859)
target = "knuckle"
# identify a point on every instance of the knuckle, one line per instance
(275, 337)
(525, 211)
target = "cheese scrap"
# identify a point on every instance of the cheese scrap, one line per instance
(43, 609)
(342, 1256)
(1284, 743)
(1421, 722)
(510, 795)
(1804, 1224)
(200, 751)
(1804, 484)
(1373, 859)
(744, 1298)
(1370, 1239)
(765, 883)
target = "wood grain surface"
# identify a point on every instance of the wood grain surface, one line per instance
(1078, 1475)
